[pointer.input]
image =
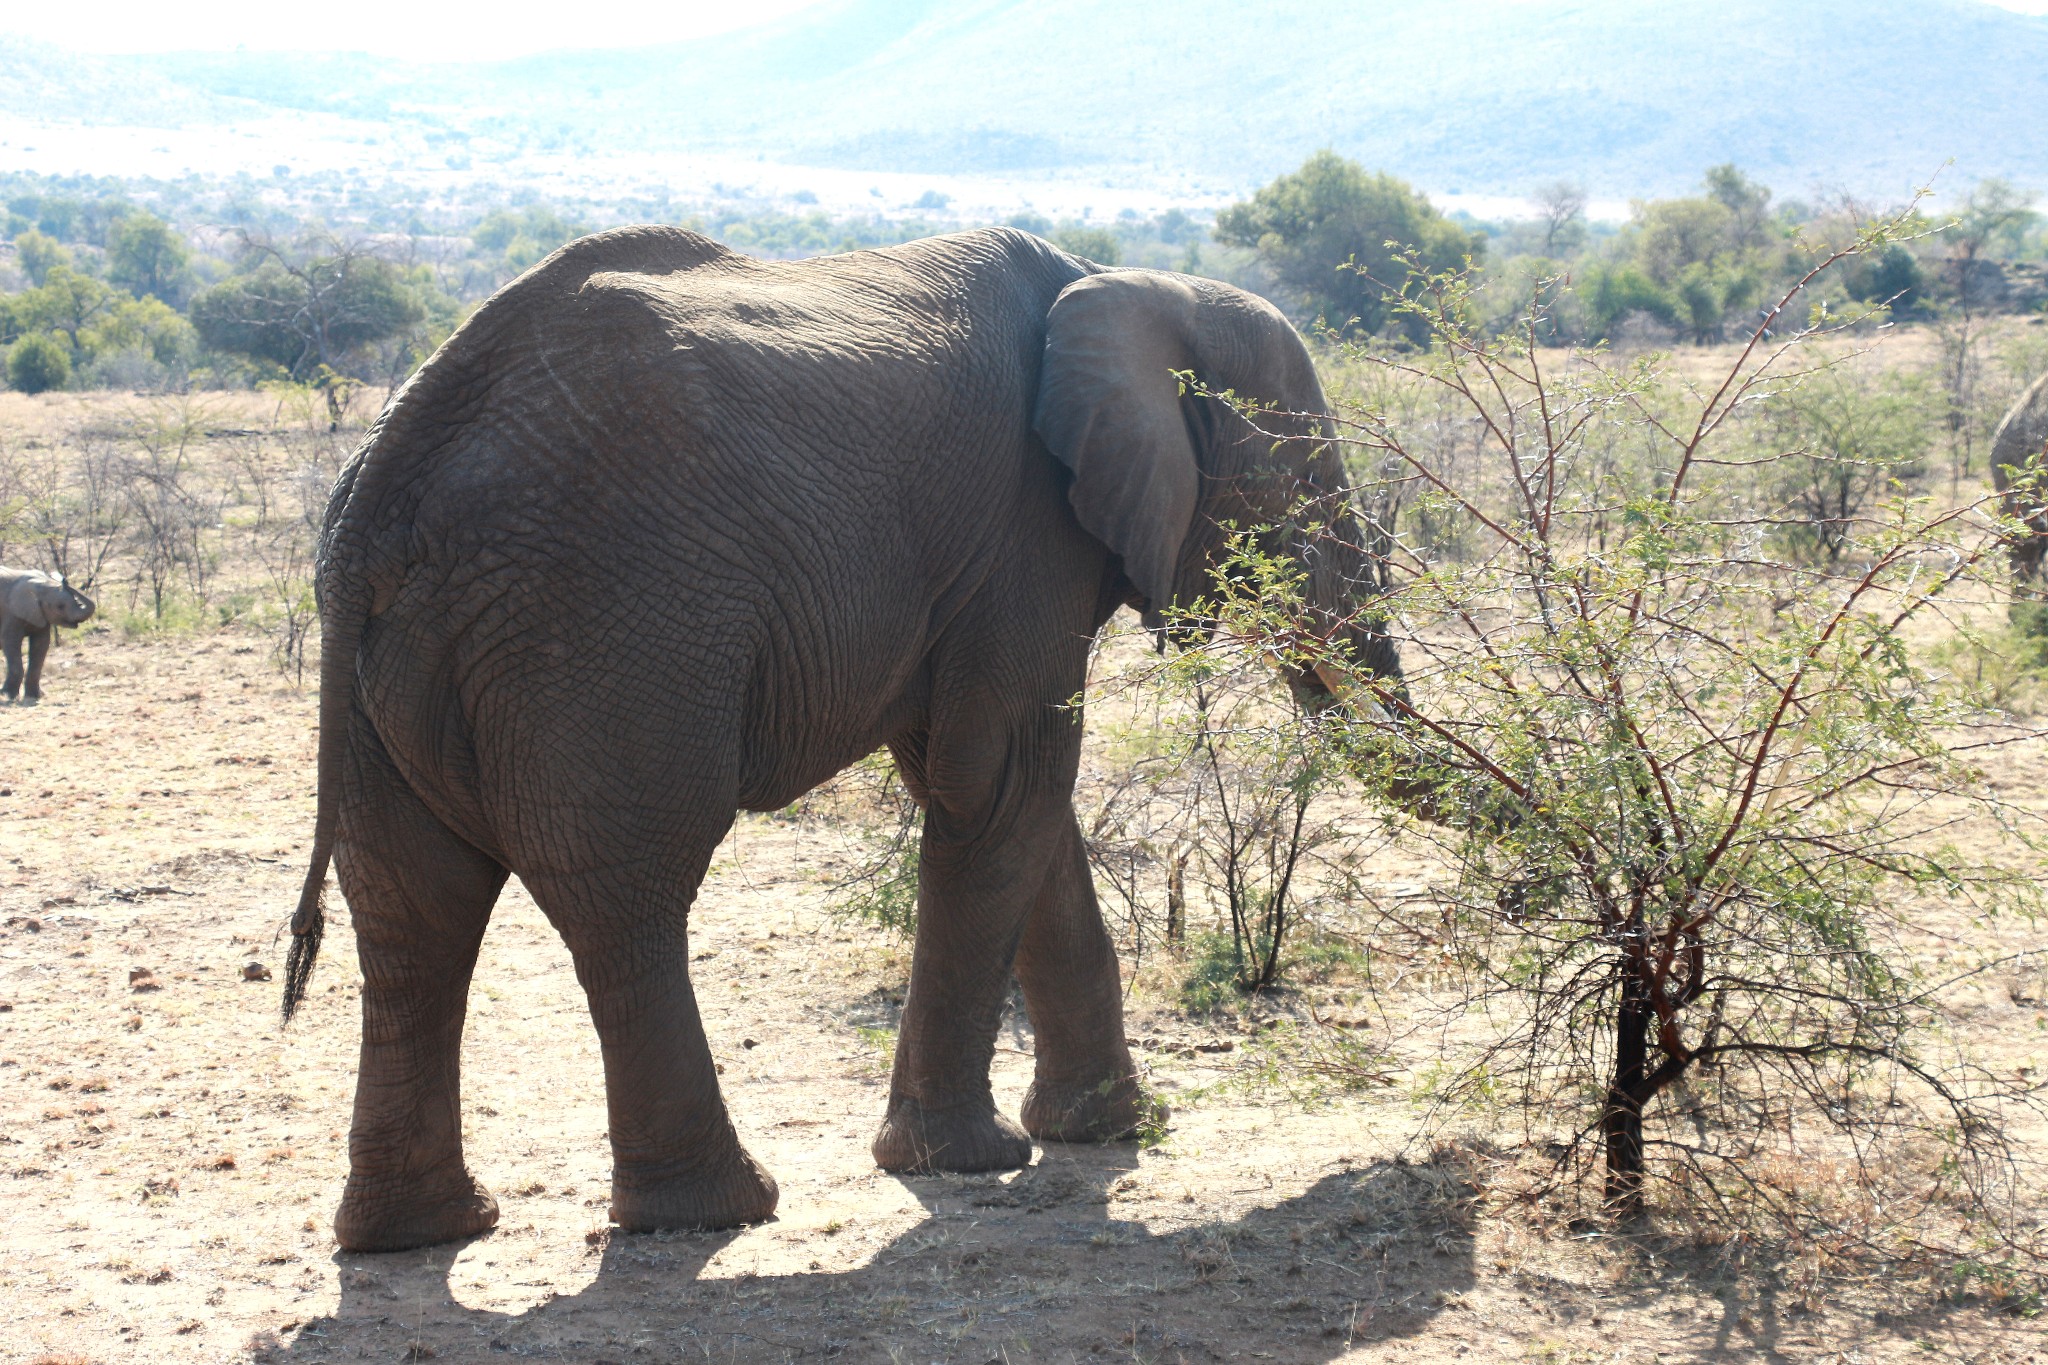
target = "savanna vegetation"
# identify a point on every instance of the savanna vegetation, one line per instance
(169, 286)
(1699, 795)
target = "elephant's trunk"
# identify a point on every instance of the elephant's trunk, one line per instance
(1356, 662)
(1346, 577)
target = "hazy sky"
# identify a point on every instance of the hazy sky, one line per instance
(429, 29)
(433, 29)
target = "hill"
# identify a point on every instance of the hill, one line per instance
(1458, 95)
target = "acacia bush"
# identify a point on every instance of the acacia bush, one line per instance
(1838, 440)
(38, 363)
(1690, 793)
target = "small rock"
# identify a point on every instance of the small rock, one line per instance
(750, 1043)
(141, 979)
(255, 971)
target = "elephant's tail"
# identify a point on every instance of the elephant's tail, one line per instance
(342, 588)
(341, 631)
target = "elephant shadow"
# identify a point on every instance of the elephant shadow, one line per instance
(1025, 1267)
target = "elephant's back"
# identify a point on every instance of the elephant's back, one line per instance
(650, 380)
(659, 336)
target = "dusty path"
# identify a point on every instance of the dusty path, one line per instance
(169, 1157)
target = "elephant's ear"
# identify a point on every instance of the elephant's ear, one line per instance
(1110, 410)
(25, 604)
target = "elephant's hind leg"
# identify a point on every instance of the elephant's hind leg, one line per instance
(676, 1160)
(11, 636)
(419, 898)
(1084, 1087)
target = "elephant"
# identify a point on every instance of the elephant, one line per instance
(2020, 444)
(32, 605)
(664, 532)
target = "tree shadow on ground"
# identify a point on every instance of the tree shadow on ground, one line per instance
(1023, 1268)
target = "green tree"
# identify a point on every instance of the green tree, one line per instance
(1747, 203)
(320, 304)
(66, 304)
(520, 239)
(1993, 222)
(1325, 232)
(1091, 243)
(1175, 228)
(1705, 255)
(57, 217)
(1895, 277)
(38, 363)
(39, 254)
(1675, 234)
(1561, 208)
(146, 325)
(146, 256)
(1611, 292)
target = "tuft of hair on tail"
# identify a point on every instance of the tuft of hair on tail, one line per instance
(309, 922)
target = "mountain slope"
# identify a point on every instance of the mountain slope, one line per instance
(1479, 95)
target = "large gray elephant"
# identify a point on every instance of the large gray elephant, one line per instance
(663, 532)
(32, 605)
(2021, 444)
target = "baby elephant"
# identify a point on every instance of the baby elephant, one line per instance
(31, 602)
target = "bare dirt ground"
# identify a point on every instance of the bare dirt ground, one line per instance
(169, 1157)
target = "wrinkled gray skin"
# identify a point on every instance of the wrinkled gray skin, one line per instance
(663, 532)
(2022, 441)
(32, 605)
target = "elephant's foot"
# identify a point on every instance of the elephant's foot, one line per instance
(732, 1193)
(396, 1219)
(971, 1137)
(1090, 1111)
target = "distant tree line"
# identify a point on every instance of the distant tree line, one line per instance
(100, 290)
(1340, 242)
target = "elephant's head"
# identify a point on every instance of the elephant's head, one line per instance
(41, 601)
(1159, 471)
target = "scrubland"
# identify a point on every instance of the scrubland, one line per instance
(1321, 1192)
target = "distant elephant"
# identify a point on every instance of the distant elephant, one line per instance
(2021, 442)
(663, 532)
(32, 605)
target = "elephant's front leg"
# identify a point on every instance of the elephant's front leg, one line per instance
(993, 816)
(38, 650)
(1085, 1087)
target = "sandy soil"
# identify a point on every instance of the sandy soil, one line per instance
(171, 1156)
